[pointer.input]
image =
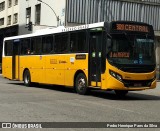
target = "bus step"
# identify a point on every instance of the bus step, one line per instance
(95, 87)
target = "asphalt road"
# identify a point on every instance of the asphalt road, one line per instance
(59, 104)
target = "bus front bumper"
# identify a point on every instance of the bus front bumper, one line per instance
(130, 85)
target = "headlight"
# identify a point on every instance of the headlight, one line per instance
(115, 75)
(155, 77)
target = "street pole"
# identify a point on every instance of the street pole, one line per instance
(57, 17)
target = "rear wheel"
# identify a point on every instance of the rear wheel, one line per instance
(121, 93)
(81, 84)
(27, 78)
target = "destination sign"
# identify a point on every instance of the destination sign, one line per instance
(129, 27)
(135, 27)
(119, 54)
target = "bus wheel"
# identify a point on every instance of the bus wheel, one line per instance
(121, 93)
(81, 84)
(27, 78)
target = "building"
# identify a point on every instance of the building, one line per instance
(91, 11)
(15, 14)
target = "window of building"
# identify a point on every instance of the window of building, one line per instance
(15, 18)
(1, 21)
(9, 3)
(9, 20)
(38, 14)
(15, 2)
(28, 15)
(2, 6)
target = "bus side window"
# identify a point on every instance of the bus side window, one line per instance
(64, 43)
(32, 46)
(61, 43)
(73, 41)
(25, 46)
(57, 43)
(47, 43)
(81, 42)
(8, 48)
(78, 42)
(38, 46)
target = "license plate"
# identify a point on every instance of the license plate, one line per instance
(137, 84)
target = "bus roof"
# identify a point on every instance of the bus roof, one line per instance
(59, 29)
(62, 29)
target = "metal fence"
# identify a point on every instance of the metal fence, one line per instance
(152, 1)
(91, 11)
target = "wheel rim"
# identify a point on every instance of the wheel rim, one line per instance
(27, 79)
(81, 84)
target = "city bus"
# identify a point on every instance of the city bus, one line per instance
(112, 56)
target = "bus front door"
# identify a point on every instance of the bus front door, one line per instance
(15, 60)
(95, 59)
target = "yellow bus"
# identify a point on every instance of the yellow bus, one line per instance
(117, 55)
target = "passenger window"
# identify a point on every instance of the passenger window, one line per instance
(25, 46)
(47, 43)
(8, 48)
(36, 46)
(73, 42)
(64, 43)
(61, 43)
(78, 42)
(81, 42)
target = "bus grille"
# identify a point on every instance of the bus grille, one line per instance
(137, 70)
(137, 83)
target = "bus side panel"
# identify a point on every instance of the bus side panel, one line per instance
(17, 67)
(7, 67)
(54, 69)
(73, 64)
(35, 64)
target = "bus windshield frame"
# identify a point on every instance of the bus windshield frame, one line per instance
(131, 48)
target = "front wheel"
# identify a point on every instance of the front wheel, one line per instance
(27, 78)
(81, 84)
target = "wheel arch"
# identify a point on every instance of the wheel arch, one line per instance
(76, 74)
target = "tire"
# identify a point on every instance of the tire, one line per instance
(27, 78)
(121, 93)
(81, 84)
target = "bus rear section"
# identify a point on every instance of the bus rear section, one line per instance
(54, 58)
(10, 59)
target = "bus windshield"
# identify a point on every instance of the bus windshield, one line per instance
(132, 50)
